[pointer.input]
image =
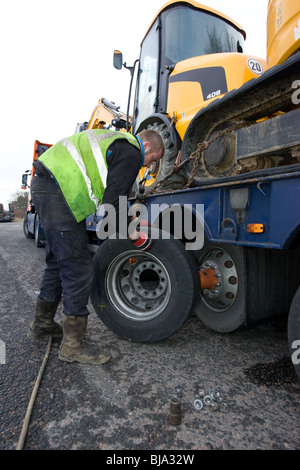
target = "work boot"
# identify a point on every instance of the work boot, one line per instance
(43, 324)
(74, 347)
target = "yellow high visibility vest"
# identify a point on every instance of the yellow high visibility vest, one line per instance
(78, 164)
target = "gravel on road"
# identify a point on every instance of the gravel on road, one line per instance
(125, 404)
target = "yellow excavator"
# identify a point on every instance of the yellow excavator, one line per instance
(105, 114)
(194, 80)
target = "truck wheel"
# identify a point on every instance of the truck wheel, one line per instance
(222, 301)
(294, 332)
(144, 296)
(163, 166)
(25, 228)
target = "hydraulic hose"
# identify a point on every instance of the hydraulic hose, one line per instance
(32, 398)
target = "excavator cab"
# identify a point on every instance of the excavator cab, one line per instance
(181, 31)
(190, 56)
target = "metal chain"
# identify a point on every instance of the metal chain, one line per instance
(196, 155)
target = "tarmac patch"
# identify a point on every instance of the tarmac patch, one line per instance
(276, 373)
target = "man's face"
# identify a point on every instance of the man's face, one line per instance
(150, 156)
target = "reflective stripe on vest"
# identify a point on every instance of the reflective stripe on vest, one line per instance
(78, 159)
(94, 143)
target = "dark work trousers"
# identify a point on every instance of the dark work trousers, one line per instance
(69, 265)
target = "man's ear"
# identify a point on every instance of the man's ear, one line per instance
(146, 146)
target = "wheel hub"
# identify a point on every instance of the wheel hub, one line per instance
(221, 294)
(220, 154)
(216, 152)
(149, 280)
(138, 285)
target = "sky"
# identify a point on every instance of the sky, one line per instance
(57, 61)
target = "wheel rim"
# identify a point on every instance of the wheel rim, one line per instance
(164, 165)
(154, 171)
(223, 294)
(138, 285)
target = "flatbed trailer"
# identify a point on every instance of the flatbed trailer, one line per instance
(251, 245)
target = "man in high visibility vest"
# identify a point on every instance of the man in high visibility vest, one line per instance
(72, 179)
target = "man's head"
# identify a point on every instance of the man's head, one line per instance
(153, 145)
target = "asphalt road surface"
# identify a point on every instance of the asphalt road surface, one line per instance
(125, 404)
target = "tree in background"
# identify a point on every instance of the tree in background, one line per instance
(19, 203)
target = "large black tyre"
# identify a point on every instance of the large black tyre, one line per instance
(294, 331)
(165, 165)
(144, 296)
(25, 228)
(223, 309)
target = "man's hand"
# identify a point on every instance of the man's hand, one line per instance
(143, 243)
(140, 238)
